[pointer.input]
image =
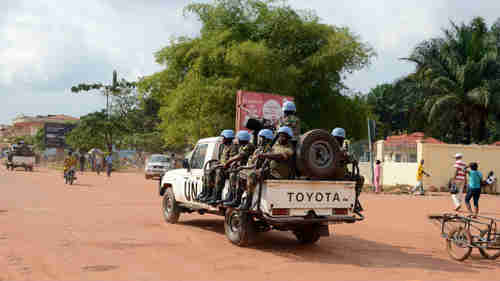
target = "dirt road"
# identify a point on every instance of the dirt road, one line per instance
(113, 229)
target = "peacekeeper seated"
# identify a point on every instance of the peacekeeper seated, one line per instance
(290, 120)
(217, 178)
(339, 134)
(248, 178)
(246, 149)
(279, 166)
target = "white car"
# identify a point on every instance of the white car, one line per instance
(305, 207)
(156, 166)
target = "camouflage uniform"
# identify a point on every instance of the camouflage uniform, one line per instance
(251, 175)
(246, 152)
(281, 169)
(346, 159)
(293, 122)
(227, 152)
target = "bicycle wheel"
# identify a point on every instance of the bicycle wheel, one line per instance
(493, 250)
(458, 244)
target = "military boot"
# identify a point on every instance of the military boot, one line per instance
(202, 193)
(229, 196)
(236, 199)
(216, 195)
(247, 203)
(207, 195)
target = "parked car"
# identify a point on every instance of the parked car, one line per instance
(156, 166)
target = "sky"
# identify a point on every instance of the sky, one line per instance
(47, 46)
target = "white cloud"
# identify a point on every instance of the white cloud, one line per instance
(47, 46)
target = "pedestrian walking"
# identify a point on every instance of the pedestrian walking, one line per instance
(109, 164)
(377, 177)
(459, 180)
(98, 163)
(92, 162)
(420, 178)
(474, 188)
(82, 162)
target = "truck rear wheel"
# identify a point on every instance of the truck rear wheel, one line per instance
(307, 235)
(171, 211)
(238, 227)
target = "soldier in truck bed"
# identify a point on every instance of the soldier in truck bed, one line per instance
(280, 156)
(218, 177)
(290, 120)
(345, 159)
(246, 149)
(248, 178)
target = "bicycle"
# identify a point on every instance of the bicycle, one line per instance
(468, 232)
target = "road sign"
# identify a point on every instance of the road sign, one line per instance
(55, 134)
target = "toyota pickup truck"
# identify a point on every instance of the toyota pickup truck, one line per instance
(304, 206)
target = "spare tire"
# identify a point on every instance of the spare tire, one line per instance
(317, 154)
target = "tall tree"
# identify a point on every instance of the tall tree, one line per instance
(255, 45)
(460, 76)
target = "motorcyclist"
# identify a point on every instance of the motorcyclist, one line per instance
(217, 177)
(69, 163)
(345, 158)
(249, 177)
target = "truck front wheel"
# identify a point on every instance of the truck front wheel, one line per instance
(238, 227)
(307, 235)
(171, 211)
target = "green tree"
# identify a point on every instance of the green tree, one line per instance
(254, 45)
(96, 130)
(459, 75)
(39, 140)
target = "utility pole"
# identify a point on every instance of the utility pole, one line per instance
(371, 151)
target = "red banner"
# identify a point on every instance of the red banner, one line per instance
(258, 105)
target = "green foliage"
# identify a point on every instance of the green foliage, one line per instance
(254, 45)
(96, 130)
(455, 90)
(29, 140)
(39, 140)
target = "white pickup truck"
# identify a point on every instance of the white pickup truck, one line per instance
(305, 207)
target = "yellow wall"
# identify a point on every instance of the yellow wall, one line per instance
(392, 173)
(439, 160)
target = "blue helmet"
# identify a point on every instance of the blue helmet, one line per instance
(289, 106)
(338, 132)
(243, 136)
(228, 134)
(286, 130)
(266, 133)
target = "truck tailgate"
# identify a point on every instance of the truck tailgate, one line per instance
(301, 196)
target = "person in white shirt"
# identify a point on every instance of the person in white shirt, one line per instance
(459, 179)
(491, 178)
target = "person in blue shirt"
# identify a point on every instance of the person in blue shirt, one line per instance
(109, 164)
(474, 189)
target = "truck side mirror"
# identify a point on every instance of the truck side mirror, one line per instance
(185, 164)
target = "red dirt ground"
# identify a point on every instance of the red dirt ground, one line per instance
(113, 229)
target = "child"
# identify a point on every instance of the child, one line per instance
(491, 178)
(474, 188)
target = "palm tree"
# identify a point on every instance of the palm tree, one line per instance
(460, 76)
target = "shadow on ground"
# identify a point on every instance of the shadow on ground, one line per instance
(350, 250)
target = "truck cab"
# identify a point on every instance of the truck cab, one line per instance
(304, 206)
